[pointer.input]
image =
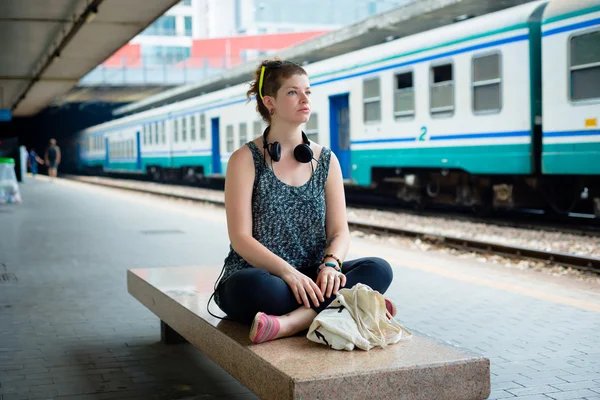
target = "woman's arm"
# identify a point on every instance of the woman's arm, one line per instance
(238, 206)
(338, 234)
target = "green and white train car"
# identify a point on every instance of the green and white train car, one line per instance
(496, 111)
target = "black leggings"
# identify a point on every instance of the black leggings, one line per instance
(251, 290)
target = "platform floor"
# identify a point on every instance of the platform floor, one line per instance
(70, 330)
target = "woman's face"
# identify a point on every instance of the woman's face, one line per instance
(292, 103)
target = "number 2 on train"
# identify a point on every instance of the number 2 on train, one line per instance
(423, 135)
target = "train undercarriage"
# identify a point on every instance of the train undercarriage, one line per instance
(559, 195)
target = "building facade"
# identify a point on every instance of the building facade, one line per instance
(199, 38)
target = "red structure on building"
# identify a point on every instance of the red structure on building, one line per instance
(217, 52)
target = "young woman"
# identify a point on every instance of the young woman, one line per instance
(286, 217)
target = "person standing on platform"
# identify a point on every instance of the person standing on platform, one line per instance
(53, 158)
(34, 160)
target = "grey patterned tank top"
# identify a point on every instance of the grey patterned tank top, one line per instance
(288, 220)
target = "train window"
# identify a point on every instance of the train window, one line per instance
(487, 84)
(202, 126)
(585, 66)
(156, 133)
(184, 129)
(176, 130)
(371, 100)
(442, 91)
(229, 138)
(193, 128)
(150, 134)
(257, 129)
(404, 96)
(312, 128)
(145, 131)
(243, 134)
(163, 132)
(132, 147)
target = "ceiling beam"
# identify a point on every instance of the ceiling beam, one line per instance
(90, 12)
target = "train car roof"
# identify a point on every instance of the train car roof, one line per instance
(564, 9)
(497, 22)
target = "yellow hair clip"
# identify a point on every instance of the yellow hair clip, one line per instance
(260, 83)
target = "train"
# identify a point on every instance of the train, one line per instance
(498, 111)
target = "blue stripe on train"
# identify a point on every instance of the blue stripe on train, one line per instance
(572, 27)
(461, 136)
(571, 133)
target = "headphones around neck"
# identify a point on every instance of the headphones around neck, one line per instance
(302, 153)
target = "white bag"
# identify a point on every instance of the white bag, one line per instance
(357, 317)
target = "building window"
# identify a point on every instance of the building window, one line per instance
(202, 127)
(229, 136)
(487, 84)
(257, 128)
(312, 128)
(372, 100)
(187, 21)
(163, 26)
(404, 95)
(243, 134)
(584, 66)
(442, 91)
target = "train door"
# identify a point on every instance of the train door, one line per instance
(138, 151)
(339, 130)
(216, 152)
(106, 154)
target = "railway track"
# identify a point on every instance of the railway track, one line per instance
(576, 261)
(361, 197)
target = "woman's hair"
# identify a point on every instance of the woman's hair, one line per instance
(273, 78)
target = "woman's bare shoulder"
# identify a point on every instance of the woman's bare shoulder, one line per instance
(241, 159)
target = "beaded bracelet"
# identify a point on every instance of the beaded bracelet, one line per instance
(334, 257)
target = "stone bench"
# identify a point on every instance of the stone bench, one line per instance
(296, 368)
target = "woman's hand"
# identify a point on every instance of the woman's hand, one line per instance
(303, 287)
(330, 280)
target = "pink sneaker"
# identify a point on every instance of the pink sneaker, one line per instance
(264, 328)
(390, 307)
